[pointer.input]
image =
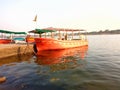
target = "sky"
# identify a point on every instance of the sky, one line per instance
(91, 15)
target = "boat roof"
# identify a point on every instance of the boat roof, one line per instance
(40, 31)
(5, 31)
(45, 30)
(11, 32)
(19, 32)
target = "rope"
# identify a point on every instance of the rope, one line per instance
(28, 47)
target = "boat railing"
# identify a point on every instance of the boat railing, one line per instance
(64, 34)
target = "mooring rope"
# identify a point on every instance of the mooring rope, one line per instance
(28, 47)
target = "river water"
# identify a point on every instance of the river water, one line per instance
(96, 67)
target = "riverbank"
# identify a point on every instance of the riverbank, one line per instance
(8, 50)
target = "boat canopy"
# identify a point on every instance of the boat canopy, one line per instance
(11, 32)
(5, 31)
(40, 31)
(19, 32)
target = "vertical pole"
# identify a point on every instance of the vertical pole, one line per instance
(59, 35)
(11, 37)
(72, 34)
(40, 35)
(45, 34)
(51, 35)
(64, 34)
(79, 35)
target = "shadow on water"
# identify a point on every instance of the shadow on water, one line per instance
(15, 59)
(61, 59)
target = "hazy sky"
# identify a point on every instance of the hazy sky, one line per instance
(92, 15)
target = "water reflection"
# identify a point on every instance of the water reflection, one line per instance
(62, 59)
(15, 59)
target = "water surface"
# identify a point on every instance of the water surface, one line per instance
(96, 67)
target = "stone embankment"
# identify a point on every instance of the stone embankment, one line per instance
(8, 50)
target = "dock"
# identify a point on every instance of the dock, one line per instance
(8, 50)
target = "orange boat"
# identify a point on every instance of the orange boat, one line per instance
(3, 38)
(5, 41)
(56, 39)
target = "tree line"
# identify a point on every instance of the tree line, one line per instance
(104, 32)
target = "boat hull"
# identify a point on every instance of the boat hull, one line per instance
(5, 41)
(52, 44)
